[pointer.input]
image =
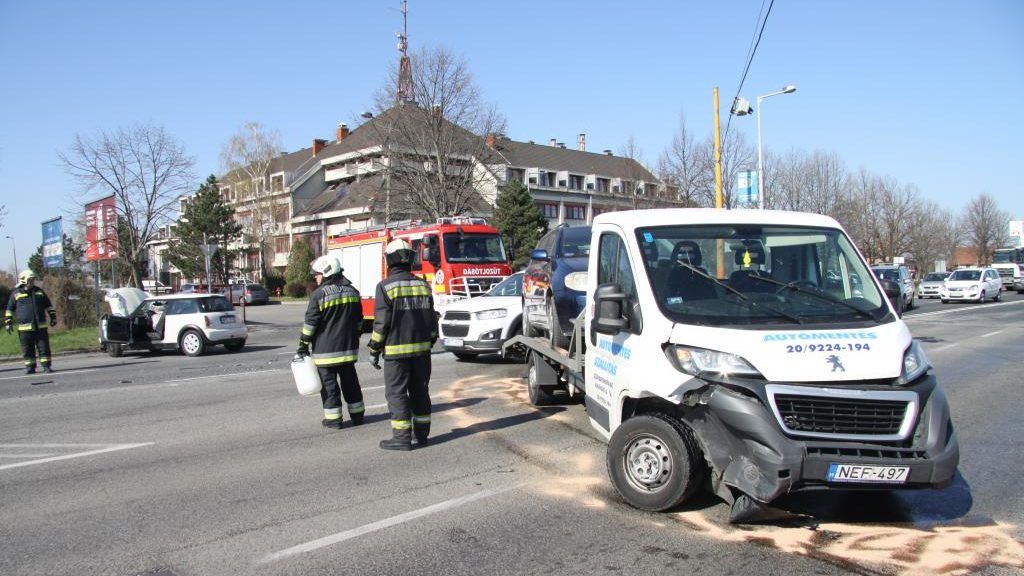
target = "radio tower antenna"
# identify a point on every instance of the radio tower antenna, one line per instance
(404, 93)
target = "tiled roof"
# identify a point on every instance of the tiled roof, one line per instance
(344, 196)
(527, 155)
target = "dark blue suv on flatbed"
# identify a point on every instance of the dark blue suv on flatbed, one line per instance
(555, 282)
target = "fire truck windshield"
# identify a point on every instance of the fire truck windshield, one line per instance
(475, 248)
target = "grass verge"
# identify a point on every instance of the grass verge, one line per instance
(85, 338)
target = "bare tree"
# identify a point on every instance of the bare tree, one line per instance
(934, 235)
(144, 168)
(680, 164)
(247, 158)
(985, 226)
(806, 183)
(434, 153)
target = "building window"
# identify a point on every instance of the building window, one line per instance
(281, 213)
(575, 212)
(548, 209)
(277, 183)
(533, 180)
(575, 182)
(603, 184)
(281, 244)
(517, 175)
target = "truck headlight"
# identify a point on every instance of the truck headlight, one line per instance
(576, 281)
(915, 363)
(491, 314)
(694, 361)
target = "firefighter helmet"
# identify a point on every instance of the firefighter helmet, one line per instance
(398, 253)
(328, 265)
(26, 275)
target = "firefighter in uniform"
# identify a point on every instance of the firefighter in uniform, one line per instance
(404, 330)
(333, 322)
(29, 308)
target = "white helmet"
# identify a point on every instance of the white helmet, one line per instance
(398, 252)
(328, 265)
(26, 275)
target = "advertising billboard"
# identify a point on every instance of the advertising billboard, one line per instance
(101, 229)
(53, 243)
(747, 188)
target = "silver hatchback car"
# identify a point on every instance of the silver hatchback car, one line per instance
(930, 285)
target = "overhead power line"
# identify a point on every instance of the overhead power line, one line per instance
(750, 60)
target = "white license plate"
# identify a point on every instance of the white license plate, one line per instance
(453, 342)
(867, 473)
(227, 319)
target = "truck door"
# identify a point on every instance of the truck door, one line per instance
(611, 359)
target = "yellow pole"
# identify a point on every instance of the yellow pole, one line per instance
(719, 245)
(718, 156)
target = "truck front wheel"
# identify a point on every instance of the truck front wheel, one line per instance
(654, 462)
(541, 381)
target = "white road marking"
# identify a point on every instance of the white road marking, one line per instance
(992, 333)
(109, 448)
(220, 375)
(50, 374)
(910, 317)
(381, 524)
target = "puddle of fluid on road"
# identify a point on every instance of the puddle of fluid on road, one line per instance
(951, 544)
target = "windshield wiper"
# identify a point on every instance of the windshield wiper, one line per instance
(795, 286)
(707, 276)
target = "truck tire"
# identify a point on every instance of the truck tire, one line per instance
(115, 350)
(539, 383)
(655, 462)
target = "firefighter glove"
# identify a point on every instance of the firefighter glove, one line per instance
(375, 359)
(9, 326)
(53, 318)
(303, 349)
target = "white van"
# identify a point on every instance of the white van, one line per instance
(750, 351)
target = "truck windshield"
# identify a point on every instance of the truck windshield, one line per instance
(1007, 257)
(752, 274)
(475, 248)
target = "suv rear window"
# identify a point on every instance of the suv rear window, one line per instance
(215, 304)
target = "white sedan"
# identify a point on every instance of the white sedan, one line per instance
(973, 285)
(480, 325)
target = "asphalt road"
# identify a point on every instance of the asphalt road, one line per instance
(160, 464)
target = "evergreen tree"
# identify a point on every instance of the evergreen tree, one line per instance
(520, 222)
(205, 214)
(299, 260)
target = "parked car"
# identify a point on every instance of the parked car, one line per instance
(156, 287)
(899, 274)
(481, 325)
(189, 288)
(554, 283)
(251, 293)
(972, 284)
(930, 285)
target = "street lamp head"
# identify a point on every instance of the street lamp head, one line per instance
(789, 89)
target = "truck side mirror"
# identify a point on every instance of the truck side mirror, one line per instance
(610, 309)
(540, 255)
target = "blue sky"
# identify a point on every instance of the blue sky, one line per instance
(927, 92)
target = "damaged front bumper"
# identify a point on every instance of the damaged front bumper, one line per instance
(752, 452)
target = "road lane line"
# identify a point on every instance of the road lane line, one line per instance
(50, 374)
(221, 375)
(992, 333)
(76, 455)
(382, 524)
(910, 317)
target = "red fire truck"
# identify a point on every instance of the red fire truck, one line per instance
(460, 257)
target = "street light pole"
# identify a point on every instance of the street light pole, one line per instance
(761, 180)
(14, 250)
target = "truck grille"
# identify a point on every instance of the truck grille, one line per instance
(846, 416)
(1005, 273)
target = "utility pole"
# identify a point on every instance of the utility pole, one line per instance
(718, 155)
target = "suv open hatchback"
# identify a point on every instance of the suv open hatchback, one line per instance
(189, 322)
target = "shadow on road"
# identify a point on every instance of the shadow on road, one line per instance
(500, 423)
(463, 403)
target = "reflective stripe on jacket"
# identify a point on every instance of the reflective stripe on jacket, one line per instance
(333, 321)
(404, 323)
(28, 308)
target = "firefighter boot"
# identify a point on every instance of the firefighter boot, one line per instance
(422, 431)
(334, 423)
(400, 440)
(357, 418)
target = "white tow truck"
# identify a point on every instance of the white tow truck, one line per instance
(746, 351)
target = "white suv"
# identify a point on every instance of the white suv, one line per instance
(972, 284)
(190, 322)
(480, 325)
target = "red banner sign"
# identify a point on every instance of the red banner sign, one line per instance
(101, 229)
